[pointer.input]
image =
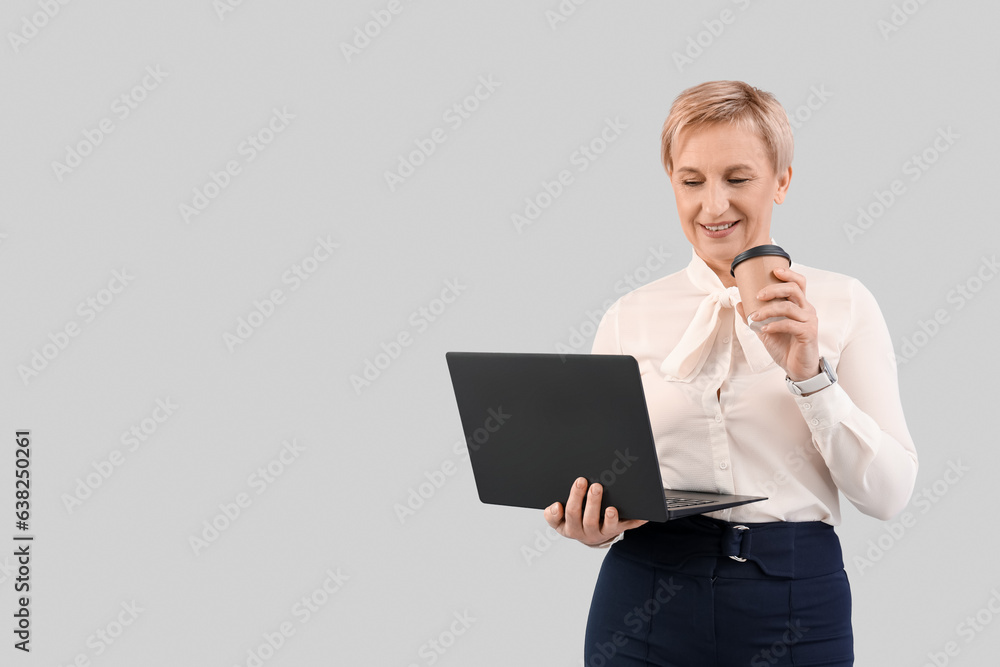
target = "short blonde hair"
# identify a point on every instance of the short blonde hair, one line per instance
(735, 102)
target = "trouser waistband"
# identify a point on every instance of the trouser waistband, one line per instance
(787, 549)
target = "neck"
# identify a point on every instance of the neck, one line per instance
(722, 272)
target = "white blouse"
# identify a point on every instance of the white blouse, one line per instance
(754, 437)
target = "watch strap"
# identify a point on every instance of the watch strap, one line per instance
(824, 379)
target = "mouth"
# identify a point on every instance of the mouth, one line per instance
(721, 229)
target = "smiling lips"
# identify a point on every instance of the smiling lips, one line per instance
(720, 230)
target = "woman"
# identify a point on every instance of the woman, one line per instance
(804, 411)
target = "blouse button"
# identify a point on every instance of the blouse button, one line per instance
(726, 339)
(807, 406)
(723, 465)
(815, 422)
(718, 417)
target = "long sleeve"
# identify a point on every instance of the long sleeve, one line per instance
(857, 425)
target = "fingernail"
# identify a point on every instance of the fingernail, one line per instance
(596, 490)
(553, 508)
(611, 513)
(580, 483)
(760, 295)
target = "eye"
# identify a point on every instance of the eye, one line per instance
(738, 181)
(691, 184)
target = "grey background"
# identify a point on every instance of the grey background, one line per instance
(335, 506)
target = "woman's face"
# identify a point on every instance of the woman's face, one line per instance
(725, 187)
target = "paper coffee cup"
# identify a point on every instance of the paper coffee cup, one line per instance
(754, 270)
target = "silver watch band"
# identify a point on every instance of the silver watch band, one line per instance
(824, 379)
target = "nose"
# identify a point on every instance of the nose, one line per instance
(715, 200)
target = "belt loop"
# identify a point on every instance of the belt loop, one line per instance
(743, 536)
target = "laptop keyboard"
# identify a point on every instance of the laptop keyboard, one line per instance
(675, 503)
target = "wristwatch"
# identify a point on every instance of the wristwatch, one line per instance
(825, 378)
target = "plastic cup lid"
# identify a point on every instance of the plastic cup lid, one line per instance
(758, 251)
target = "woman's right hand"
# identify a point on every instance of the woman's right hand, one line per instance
(582, 521)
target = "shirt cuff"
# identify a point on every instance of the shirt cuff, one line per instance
(827, 407)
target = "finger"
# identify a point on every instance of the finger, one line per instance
(592, 513)
(631, 523)
(614, 525)
(554, 515)
(783, 309)
(789, 291)
(574, 508)
(803, 331)
(788, 275)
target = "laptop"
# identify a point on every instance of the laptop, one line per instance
(534, 423)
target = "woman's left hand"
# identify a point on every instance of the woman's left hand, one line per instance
(792, 342)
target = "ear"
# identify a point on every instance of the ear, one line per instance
(784, 180)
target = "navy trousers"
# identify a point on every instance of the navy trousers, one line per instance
(698, 592)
